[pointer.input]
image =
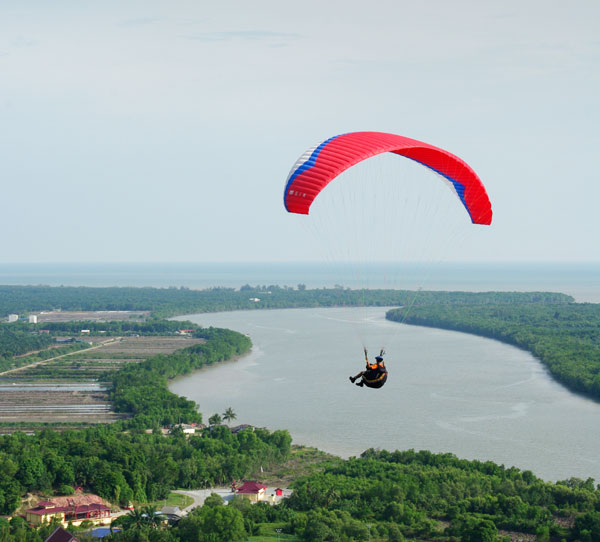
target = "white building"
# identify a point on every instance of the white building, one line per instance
(33, 318)
(13, 317)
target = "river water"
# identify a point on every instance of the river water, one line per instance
(447, 391)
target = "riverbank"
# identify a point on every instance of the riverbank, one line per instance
(566, 339)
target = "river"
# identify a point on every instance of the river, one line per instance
(447, 391)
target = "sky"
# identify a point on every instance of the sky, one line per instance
(154, 131)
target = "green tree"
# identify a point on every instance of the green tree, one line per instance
(215, 419)
(395, 534)
(213, 500)
(214, 523)
(229, 415)
(543, 533)
(475, 529)
(31, 471)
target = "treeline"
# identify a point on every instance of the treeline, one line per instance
(165, 302)
(121, 462)
(17, 340)
(141, 389)
(565, 338)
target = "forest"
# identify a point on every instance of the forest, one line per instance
(565, 338)
(166, 302)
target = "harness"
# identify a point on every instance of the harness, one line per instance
(376, 372)
(381, 375)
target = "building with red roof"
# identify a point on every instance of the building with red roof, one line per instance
(46, 511)
(60, 535)
(255, 491)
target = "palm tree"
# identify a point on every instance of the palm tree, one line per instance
(215, 419)
(229, 415)
(133, 520)
(152, 516)
(139, 519)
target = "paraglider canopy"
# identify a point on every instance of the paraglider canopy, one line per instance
(318, 166)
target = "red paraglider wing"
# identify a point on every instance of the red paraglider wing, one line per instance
(317, 167)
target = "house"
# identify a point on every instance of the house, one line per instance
(46, 511)
(171, 513)
(188, 429)
(254, 491)
(279, 492)
(60, 535)
(239, 428)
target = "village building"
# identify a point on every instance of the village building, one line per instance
(60, 535)
(254, 491)
(188, 429)
(241, 427)
(46, 511)
(171, 513)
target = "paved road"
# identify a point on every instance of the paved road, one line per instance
(199, 495)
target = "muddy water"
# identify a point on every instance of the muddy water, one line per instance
(447, 391)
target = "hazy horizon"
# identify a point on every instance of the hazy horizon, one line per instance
(154, 132)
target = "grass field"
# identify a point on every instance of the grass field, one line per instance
(174, 499)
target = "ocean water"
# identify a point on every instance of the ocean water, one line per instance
(582, 280)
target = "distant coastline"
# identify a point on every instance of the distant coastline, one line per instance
(581, 280)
